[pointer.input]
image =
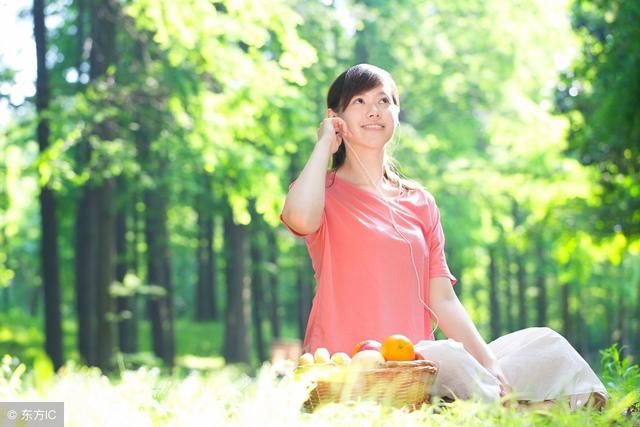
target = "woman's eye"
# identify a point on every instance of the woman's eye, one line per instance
(358, 101)
(385, 100)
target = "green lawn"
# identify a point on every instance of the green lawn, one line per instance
(21, 335)
(227, 396)
(202, 391)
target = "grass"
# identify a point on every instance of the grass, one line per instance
(203, 391)
(226, 395)
(22, 334)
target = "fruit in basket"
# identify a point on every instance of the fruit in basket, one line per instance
(419, 356)
(366, 345)
(367, 359)
(341, 358)
(398, 348)
(305, 359)
(321, 355)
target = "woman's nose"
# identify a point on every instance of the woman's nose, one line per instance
(373, 111)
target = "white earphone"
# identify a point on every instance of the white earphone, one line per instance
(395, 226)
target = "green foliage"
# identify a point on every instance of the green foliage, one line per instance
(619, 373)
(600, 94)
(19, 335)
(43, 373)
(221, 101)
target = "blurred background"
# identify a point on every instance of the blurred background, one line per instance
(147, 146)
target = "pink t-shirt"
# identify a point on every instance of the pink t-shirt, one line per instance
(366, 283)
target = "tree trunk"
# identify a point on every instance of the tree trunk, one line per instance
(49, 239)
(201, 302)
(5, 249)
(85, 237)
(104, 16)
(126, 305)
(274, 304)
(636, 335)
(236, 336)
(522, 292)
(138, 216)
(620, 332)
(610, 310)
(494, 314)
(581, 332)
(211, 267)
(105, 274)
(85, 287)
(154, 160)
(508, 286)
(211, 259)
(257, 283)
(541, 285)
(362, 47)
(205, 295)
(80, 40)
(567, 326)
(158, 273)
(518, 220)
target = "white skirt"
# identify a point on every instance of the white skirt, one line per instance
(539, 365)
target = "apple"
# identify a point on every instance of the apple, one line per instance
(341, 358)
(419, 356)
(305, 359)
(366, 345)
(367, 359)
(321, 355)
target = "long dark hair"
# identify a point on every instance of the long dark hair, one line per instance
(355, 80)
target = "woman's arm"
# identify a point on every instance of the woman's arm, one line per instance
(305, 201)
(456, 324)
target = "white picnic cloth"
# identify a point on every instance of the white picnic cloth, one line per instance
(539, 364)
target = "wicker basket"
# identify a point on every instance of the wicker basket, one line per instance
(394, 384)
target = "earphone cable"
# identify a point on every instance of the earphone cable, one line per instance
(395, 226)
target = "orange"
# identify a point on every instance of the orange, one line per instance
(397, 347)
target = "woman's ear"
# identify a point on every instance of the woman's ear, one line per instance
(331, 113)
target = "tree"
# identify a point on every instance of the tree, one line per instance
(206, 301)
(49, 240)
(236, 335)
(95, 238)
(601, 97)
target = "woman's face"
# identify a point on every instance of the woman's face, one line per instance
(371, 117)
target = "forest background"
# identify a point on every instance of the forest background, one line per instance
(144, 168)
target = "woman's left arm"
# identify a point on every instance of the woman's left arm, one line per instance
(456, 324)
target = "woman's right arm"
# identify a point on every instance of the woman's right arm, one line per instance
(305, 201)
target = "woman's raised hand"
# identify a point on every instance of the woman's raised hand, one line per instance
(333, 130)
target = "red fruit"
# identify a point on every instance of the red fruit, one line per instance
(366, 345)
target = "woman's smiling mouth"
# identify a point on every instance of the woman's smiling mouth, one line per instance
(373, 126)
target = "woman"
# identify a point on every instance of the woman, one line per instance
(377, 249)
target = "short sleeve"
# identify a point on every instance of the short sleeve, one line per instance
(437, 261)
(294, 232)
